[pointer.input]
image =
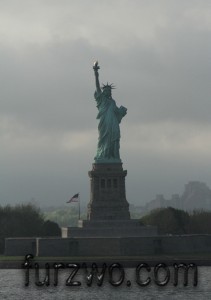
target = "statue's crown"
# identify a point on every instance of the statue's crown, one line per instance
(110, 86)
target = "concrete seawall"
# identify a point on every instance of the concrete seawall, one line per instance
(99, 246)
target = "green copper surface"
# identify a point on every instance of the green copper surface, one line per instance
(109, 116)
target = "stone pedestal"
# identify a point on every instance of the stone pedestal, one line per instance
(107, 195)
(108, 213)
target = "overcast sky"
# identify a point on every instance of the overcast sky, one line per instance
(157, 53)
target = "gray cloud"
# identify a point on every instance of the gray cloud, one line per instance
(158, 56)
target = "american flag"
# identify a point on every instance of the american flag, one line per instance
(75, 198)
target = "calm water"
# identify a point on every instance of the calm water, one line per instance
(12, 287)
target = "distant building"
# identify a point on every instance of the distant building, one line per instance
(159, 201)
(196, 196)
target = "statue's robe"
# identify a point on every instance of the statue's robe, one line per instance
(109, 132)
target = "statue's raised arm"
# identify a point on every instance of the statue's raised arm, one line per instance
(96, 68)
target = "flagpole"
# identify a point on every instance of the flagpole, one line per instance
(79, 211)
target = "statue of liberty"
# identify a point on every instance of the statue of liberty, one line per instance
(109, 116)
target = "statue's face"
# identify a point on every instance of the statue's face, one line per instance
(107, 92)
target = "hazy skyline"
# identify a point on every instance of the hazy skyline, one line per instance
(157, 54)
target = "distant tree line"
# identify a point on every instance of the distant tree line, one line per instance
(175, 221)
(24, 221)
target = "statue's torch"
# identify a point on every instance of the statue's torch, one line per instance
(95, 66)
